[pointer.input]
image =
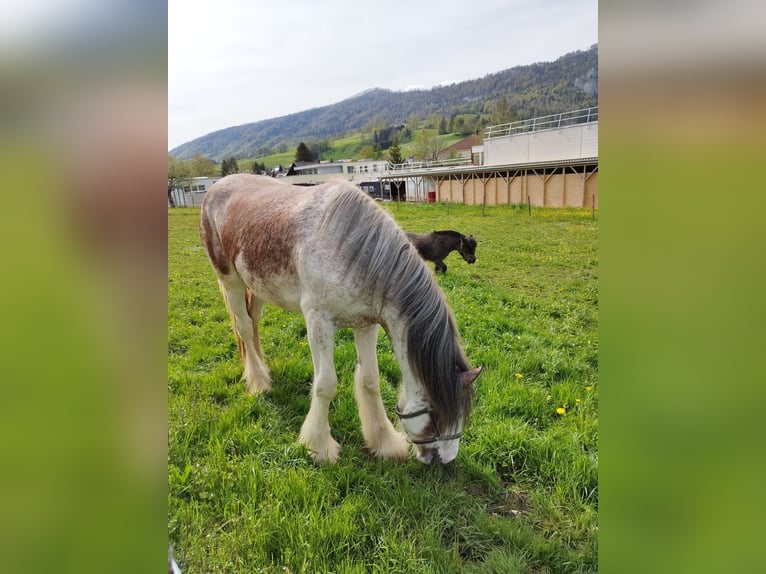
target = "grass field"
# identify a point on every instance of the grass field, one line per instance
(522, 495)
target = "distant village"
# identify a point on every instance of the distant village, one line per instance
(546, 161)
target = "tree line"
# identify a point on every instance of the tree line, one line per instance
(379, 137)
(568, 83)
(429, 144)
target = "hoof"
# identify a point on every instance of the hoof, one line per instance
(322, 450)
(258, 387)
(395, 447)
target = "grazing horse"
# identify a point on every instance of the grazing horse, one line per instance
(435, 246)
(331, 253)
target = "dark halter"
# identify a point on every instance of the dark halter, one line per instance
(430, 413)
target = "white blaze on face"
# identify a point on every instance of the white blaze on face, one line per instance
(448, 450)
(420, 424)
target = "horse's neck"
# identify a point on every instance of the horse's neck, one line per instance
(453, 238)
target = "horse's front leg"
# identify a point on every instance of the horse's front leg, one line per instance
(315, 432)
(379, 434)
(439, 266)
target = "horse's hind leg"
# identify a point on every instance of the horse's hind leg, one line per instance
(235, 295)
(379, 434)
(255, 310)
(315, 431)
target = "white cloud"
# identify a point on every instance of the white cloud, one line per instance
(239, 61)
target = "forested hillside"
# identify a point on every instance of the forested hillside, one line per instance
(569, 83)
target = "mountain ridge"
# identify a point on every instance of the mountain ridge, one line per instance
(567, 83)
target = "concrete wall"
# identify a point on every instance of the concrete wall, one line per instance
(571, 142)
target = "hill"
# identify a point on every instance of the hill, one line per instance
(568, 83)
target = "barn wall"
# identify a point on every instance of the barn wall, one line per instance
(549, 187)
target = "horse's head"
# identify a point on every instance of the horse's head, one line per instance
(427, 429)
(468, 248)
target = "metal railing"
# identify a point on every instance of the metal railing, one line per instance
(555, 121)
(418, 165)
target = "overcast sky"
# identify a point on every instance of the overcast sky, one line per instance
(233, 62)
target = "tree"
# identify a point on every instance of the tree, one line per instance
(229, 166)
(303, 153)
(443, 126)
(367, 152)
(178, 176)
(502, 114)
(200, 166)
(470, 124)
(413, 121)
(395, 152)
(428, 146)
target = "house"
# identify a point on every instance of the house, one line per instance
(190, 195)
(464, 148)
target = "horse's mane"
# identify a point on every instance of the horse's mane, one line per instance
(450, 232)
(382, 262)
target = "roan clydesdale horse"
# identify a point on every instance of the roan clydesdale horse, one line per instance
(331, 253)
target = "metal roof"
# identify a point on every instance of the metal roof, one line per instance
(460, 169)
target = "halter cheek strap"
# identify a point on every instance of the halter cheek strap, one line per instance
(430, 413)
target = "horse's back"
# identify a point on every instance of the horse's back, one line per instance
(283, 241)
(248, 226)
(241, 189)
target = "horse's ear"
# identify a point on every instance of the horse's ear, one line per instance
(469, 377)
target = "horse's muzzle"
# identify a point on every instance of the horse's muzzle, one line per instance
(427, 455)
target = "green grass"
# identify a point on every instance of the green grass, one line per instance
(522, 495)
(344, 148)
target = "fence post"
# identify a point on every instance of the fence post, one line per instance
(529, 205)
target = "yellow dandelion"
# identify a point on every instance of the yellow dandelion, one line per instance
(518, 375)
(588, 388)
(561, 410)
(577, 401)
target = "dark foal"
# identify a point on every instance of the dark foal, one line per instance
(435, 246)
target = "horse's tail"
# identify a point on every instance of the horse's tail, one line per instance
(249, 303)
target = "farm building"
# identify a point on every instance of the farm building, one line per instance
(191, 194)
(546, 161)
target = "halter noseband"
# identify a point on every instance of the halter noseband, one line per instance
(430, 413)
